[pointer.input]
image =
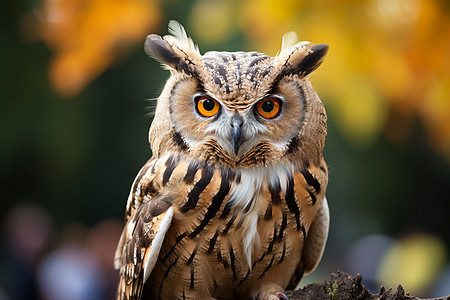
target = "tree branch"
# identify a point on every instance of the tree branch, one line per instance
(343, 286)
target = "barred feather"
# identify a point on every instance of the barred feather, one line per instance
(233, 205)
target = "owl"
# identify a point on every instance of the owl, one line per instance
(231, 205)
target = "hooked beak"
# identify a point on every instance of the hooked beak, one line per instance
(236, 124)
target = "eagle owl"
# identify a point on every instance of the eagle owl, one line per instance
(232, 203)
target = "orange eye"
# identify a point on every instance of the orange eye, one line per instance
(268, 107)
(207, 106)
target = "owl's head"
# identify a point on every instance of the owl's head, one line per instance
(238, 109)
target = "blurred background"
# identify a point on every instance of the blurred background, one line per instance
(74, 117)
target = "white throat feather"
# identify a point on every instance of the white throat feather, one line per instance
(244, 198)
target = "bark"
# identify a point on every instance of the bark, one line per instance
(343, 286)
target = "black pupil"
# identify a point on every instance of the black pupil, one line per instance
(208, 104)
(267, 106)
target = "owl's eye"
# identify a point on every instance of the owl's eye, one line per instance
(207, 106)
(268, 107)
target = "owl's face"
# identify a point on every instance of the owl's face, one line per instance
(237, 108)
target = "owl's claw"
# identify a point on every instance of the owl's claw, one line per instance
(282, 296)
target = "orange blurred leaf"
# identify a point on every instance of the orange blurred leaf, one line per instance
(88, 36)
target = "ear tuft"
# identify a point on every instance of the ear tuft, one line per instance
(301, 58)
(179, 34)
(289, 40)
(160, 50)
(313, 59)
(176, 51)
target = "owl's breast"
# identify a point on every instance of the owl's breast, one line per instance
(231, 228)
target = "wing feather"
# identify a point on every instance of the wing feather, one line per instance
(313, 246)
(317, 238)
(148, 217)
(151, 254)
(140, 245)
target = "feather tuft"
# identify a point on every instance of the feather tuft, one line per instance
(289, 40)
(179, 33)
(289, 46)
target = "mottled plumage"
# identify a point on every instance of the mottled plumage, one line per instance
(232, 203)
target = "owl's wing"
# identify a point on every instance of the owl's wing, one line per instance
(313, 246)
(316, 239)
(149, 216)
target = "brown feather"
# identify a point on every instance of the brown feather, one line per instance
(247, 222)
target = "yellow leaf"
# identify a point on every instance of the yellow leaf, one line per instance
(413, 262)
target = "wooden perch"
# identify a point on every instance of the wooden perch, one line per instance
(345, 287)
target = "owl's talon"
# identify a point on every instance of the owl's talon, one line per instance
(282, 296)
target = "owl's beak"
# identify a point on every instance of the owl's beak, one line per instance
(236, 124)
